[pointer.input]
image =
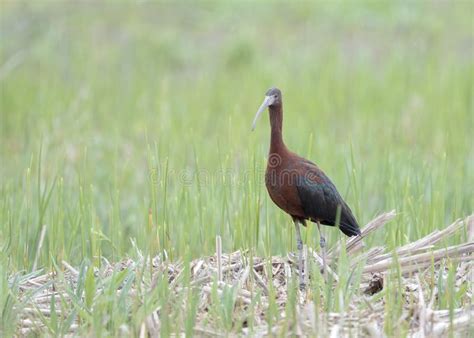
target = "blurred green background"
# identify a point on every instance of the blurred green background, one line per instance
(130, 123)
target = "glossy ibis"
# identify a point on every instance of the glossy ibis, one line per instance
(299, 187)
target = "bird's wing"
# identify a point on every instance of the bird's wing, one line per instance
(321, 200)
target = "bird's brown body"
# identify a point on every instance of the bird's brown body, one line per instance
(281, 170)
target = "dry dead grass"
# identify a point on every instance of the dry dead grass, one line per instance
(251, 277)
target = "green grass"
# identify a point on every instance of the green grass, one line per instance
(124, 123)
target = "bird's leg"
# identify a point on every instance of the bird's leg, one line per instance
(299, 244)
(322, 244)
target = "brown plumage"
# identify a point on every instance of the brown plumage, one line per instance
(298, 186)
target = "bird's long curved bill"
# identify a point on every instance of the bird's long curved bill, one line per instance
(266, 102)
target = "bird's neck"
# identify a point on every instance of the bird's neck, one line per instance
(276, 123)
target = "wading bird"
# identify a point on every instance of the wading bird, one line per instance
(299, 187)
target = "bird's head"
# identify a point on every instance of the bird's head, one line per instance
(272, 99)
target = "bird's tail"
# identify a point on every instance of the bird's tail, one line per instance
(349, 225)
(350, 230)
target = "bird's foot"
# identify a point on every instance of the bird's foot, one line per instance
(293, 257)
